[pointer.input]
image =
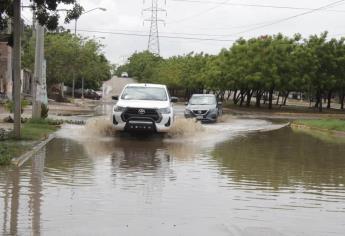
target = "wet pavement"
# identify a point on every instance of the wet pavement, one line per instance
(236, 177)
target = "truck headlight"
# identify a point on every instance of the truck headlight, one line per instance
(166, 110)
(118, 108)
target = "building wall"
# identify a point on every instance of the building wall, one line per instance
(6, 69)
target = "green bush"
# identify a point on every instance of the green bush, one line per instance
(9, 105)
(44, 111)
(5, 157)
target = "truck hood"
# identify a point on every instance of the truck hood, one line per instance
(143, 104)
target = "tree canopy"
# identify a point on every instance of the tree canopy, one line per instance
(261, 67)
(46, 12)
(68, 56)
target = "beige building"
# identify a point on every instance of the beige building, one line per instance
(5, 70)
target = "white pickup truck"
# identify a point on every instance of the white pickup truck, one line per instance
(143, 107)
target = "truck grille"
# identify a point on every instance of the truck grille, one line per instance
(141, 113)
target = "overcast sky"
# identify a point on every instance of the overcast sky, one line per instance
(218, 21)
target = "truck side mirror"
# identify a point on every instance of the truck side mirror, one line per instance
(115, 97)
(173, 99)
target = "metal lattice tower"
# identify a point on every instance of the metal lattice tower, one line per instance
(153, 43)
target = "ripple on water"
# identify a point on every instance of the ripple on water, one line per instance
(192, 182)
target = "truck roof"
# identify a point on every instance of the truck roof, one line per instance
(146, 85)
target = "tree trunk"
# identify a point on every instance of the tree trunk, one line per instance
(341, 100)
(270, 98)
(265, 97)
(229, 94)
(242, 97)
(249, 97)
(222, 95)
(237, 98)
(278, 99)
(234, 96)
(329, 98)
(318, 98)
(258, 98)
(285, 98)
(319, 101)
(186, 94)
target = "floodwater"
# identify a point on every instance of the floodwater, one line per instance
(236, 177)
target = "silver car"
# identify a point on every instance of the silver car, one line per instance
(203, 107)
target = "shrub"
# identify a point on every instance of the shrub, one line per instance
(5, 157)
(44, 111)
(9, 105)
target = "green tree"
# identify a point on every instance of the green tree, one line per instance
(67, 55)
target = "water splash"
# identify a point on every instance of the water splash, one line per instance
(99, 127)
(185, 128)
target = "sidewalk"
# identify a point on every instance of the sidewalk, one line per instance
(56, 110)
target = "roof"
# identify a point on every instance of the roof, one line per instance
(146, 85)
(203, 95)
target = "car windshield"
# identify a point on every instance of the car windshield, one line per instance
(144, 93)
(202, 100)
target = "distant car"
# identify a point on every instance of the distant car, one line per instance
(88, 93)
(124, 74)
(203, 107)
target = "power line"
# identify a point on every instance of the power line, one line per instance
(253, 5)
(198, 14)
(288, 18)
(172, 33)
(162, 36)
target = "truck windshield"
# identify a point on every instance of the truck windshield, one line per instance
(202, 100)
(144, 93)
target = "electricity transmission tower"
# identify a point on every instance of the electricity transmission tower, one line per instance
(154, 10)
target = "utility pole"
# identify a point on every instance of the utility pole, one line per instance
(17, 66)
(153, 43)
(38, 73)
(75, 35)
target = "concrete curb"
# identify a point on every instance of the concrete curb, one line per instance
(19, 161)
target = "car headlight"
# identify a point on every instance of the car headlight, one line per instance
(119, 108)
(187, 111)
(166, 110)
(214, 110)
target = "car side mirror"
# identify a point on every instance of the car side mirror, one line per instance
(186, 103)
(220, 103)
(173, 99)
(115, 97)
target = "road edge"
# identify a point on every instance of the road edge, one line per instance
(19, 161)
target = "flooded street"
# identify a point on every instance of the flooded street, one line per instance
(236, 177)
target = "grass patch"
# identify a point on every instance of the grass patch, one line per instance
(37, 129)
(10, 149)
(328, 124)
(5, 155)
(321, 135)
(32, 131)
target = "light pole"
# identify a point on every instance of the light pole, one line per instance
(75, 34)
(93, 9)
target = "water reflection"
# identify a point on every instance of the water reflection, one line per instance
(282, 159)
(149, 186)
(67, 164)
(22, 198)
